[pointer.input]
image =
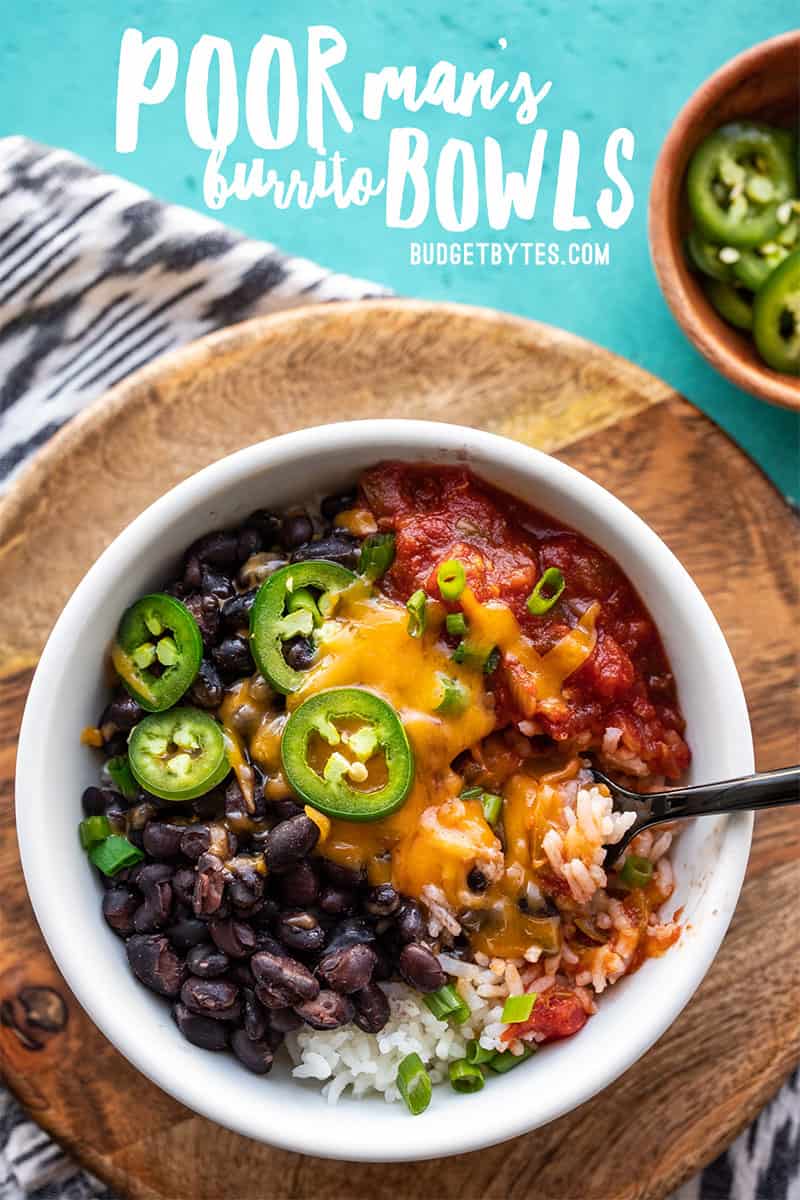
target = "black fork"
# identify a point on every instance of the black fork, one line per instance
(769, 789)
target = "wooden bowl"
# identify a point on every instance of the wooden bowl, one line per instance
(762, 83)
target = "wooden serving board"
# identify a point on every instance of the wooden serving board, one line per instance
(740, 1035)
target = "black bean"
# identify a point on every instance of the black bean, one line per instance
(371, 1008)
(115, 746)
(207, 961)
(329, 1010)
(289, 841)
(284, 1020)
(331, 506)
(218, 548)
(338, 548)
(258, 568)
(123, 712)
(217, 998)
(232, 656)
(195, 841)
(200, 1031)
(281, 981)
(207, 690)
(213, 583)
(349, 969)
(267, 523)
(235, 938)
(381, 901)
(420, 968)
(352, 931)
(162, 839)
(334, 901)
(409, 923)
(265, 941)
(240, 973)
(477, 881)
(246, 890)
(248, 542)
(98, 802)
(205, 611)
(299, 653)
(153, 881)
(342, 877)
(119, 905)
(299, 885)
(235, 806)
(209, 807)
(296, 528)
(183, 885)
(300, 931)
(265, 915)
(235, 613)
(284, 810)
(256, 1056)
(191, 577)
(155, 963)
(254, 1015)
(209, 886)
(139, 815)
(188, 931)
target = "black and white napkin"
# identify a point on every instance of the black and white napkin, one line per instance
(97, 277)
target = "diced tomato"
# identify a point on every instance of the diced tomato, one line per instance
(557, 1013)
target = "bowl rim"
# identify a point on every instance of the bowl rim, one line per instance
(498, 1125)
(760, 381)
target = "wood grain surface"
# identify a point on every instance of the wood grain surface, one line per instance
(740, 1035)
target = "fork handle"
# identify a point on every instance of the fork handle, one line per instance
(768, 789)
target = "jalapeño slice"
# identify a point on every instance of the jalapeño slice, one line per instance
(736, 179)
(776, 317)
(178, 755)
(274, 619)
(734, 304)
(334, 741)
(157, 651)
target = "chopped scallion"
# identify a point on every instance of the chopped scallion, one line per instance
(456, 623)
(93, 830)
(506, 1061)
(492, 661)
(414, 1084)
(120, 774)
(518, 1008)
(451, 578)
(465, 1076)
(477, 1055)
(547, 591)
(417, 613)
(636, 871)
(471, 793)
(377, 555)
(491, 805)
(446, 1004)
(114, 853)
(455, 697)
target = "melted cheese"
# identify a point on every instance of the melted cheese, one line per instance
(436, 838)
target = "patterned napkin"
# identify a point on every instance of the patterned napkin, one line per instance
(96, 278)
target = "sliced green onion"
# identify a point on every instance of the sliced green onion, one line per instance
(636, 872)
(477, 1055)
(451, 578)
(455, 697)
(518, 1008)
(491, 805)
(93, 830)
(456, 623)
(492, 661)
(465, 1076)
(506, 1061)
(547, 592)
(414, 1084)
(446, 1004)
(377, 555)
(417, 613)
(120, 774)
(471, 793)
(303, 601)
(114, 853)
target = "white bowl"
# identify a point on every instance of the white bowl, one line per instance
(53, 769)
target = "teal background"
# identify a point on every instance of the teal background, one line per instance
(612, 63)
